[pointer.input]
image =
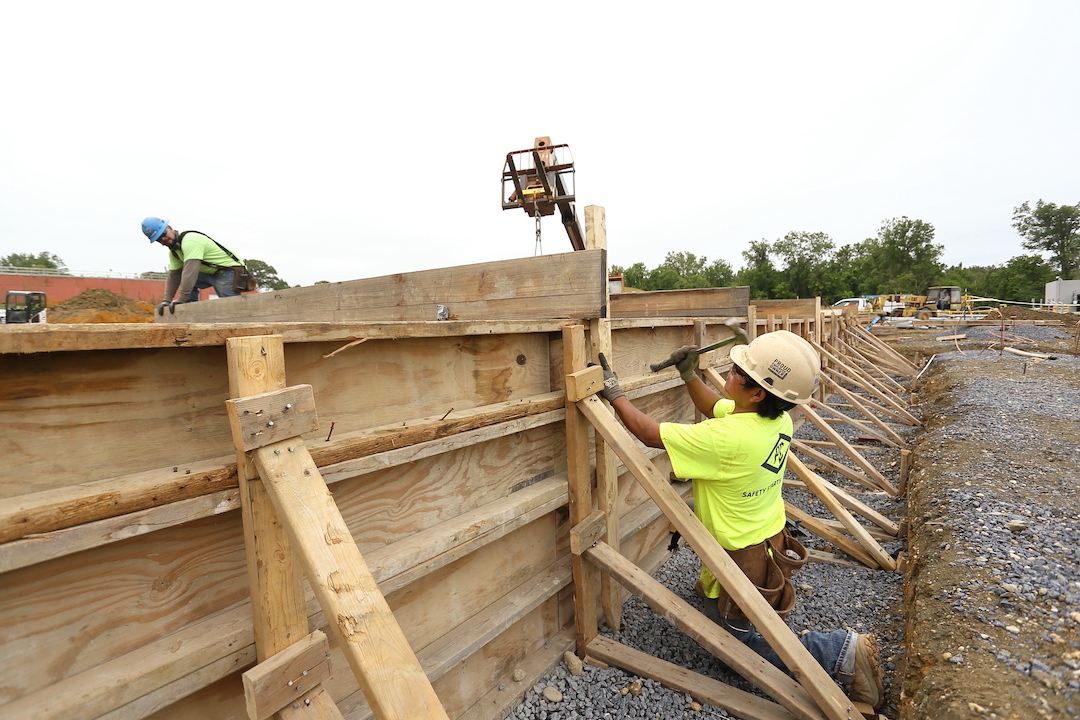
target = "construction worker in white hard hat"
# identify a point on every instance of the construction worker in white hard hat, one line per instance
(736, 459)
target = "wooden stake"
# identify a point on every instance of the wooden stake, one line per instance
(905, 468)
(257, 365)
(607, 473)
(579, 480)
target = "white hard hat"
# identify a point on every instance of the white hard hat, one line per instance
(782, 363)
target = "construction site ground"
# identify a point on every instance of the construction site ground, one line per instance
(992, 594)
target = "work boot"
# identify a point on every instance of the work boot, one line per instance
(869, 683)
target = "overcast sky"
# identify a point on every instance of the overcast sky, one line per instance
(339, 140)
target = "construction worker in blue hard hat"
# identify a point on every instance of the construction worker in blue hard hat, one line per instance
(196, 261)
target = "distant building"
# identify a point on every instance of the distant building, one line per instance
(1065, 293)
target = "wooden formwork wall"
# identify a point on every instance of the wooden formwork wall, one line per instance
(123, 581)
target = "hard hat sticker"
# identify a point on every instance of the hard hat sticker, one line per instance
(779, 369)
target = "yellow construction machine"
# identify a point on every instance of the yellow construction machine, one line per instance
(540, 179)
(940, 300)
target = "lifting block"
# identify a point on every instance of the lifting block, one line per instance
(278, 415)
(286, 677)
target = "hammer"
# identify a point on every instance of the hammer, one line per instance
(738, 337)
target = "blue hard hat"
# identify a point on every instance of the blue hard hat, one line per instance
(153, 227)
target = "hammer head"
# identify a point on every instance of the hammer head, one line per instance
(740, 334)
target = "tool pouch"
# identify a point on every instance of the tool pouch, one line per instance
(243, 280)
(769, 565)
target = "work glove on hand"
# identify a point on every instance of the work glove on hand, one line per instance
(161, 307)
(173, 304)
(685, 361)
(611, 390)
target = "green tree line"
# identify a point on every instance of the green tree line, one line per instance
(901, 258)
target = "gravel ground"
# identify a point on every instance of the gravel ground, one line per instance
(995, 586)
(985, 623)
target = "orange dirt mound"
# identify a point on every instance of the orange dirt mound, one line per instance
(98, 305)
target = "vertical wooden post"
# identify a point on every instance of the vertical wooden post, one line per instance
(751, 322)
(607, 472)
(579, 481)
(257, 365)
(905, 468)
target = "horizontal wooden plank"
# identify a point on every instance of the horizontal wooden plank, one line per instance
(74, 505)
(25, 339)
(701, 688)
(564, 285)
(698, 302)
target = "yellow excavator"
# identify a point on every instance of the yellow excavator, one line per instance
(540, 179)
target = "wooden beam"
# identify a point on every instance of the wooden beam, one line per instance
(863, 463)
(701, 688)
(588, 532)
(706, 633)
(817, 486)
(366, 631)
(607, 473)
(579, 485)
(279, 614)
(812, 677)
(837, 538)
(583, 383)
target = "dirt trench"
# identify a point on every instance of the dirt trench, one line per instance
(979, 643)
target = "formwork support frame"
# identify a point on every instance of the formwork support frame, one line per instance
(267, 428)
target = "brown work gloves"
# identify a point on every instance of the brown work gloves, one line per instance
(611, 390)
(685, 361)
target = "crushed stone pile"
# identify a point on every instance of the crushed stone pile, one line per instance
(98, 305)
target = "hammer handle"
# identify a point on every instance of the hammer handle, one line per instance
(657, 367)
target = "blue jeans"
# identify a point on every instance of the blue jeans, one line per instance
(222, 282)
(834, 651)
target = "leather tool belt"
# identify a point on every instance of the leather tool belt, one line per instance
(769, 565)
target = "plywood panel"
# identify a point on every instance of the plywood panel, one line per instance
(702, 302)
(74, 417)
(67, 615)
(119, 412)
(386, 506)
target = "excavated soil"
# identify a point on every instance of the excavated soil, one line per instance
(98, 305)
(992, 594)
